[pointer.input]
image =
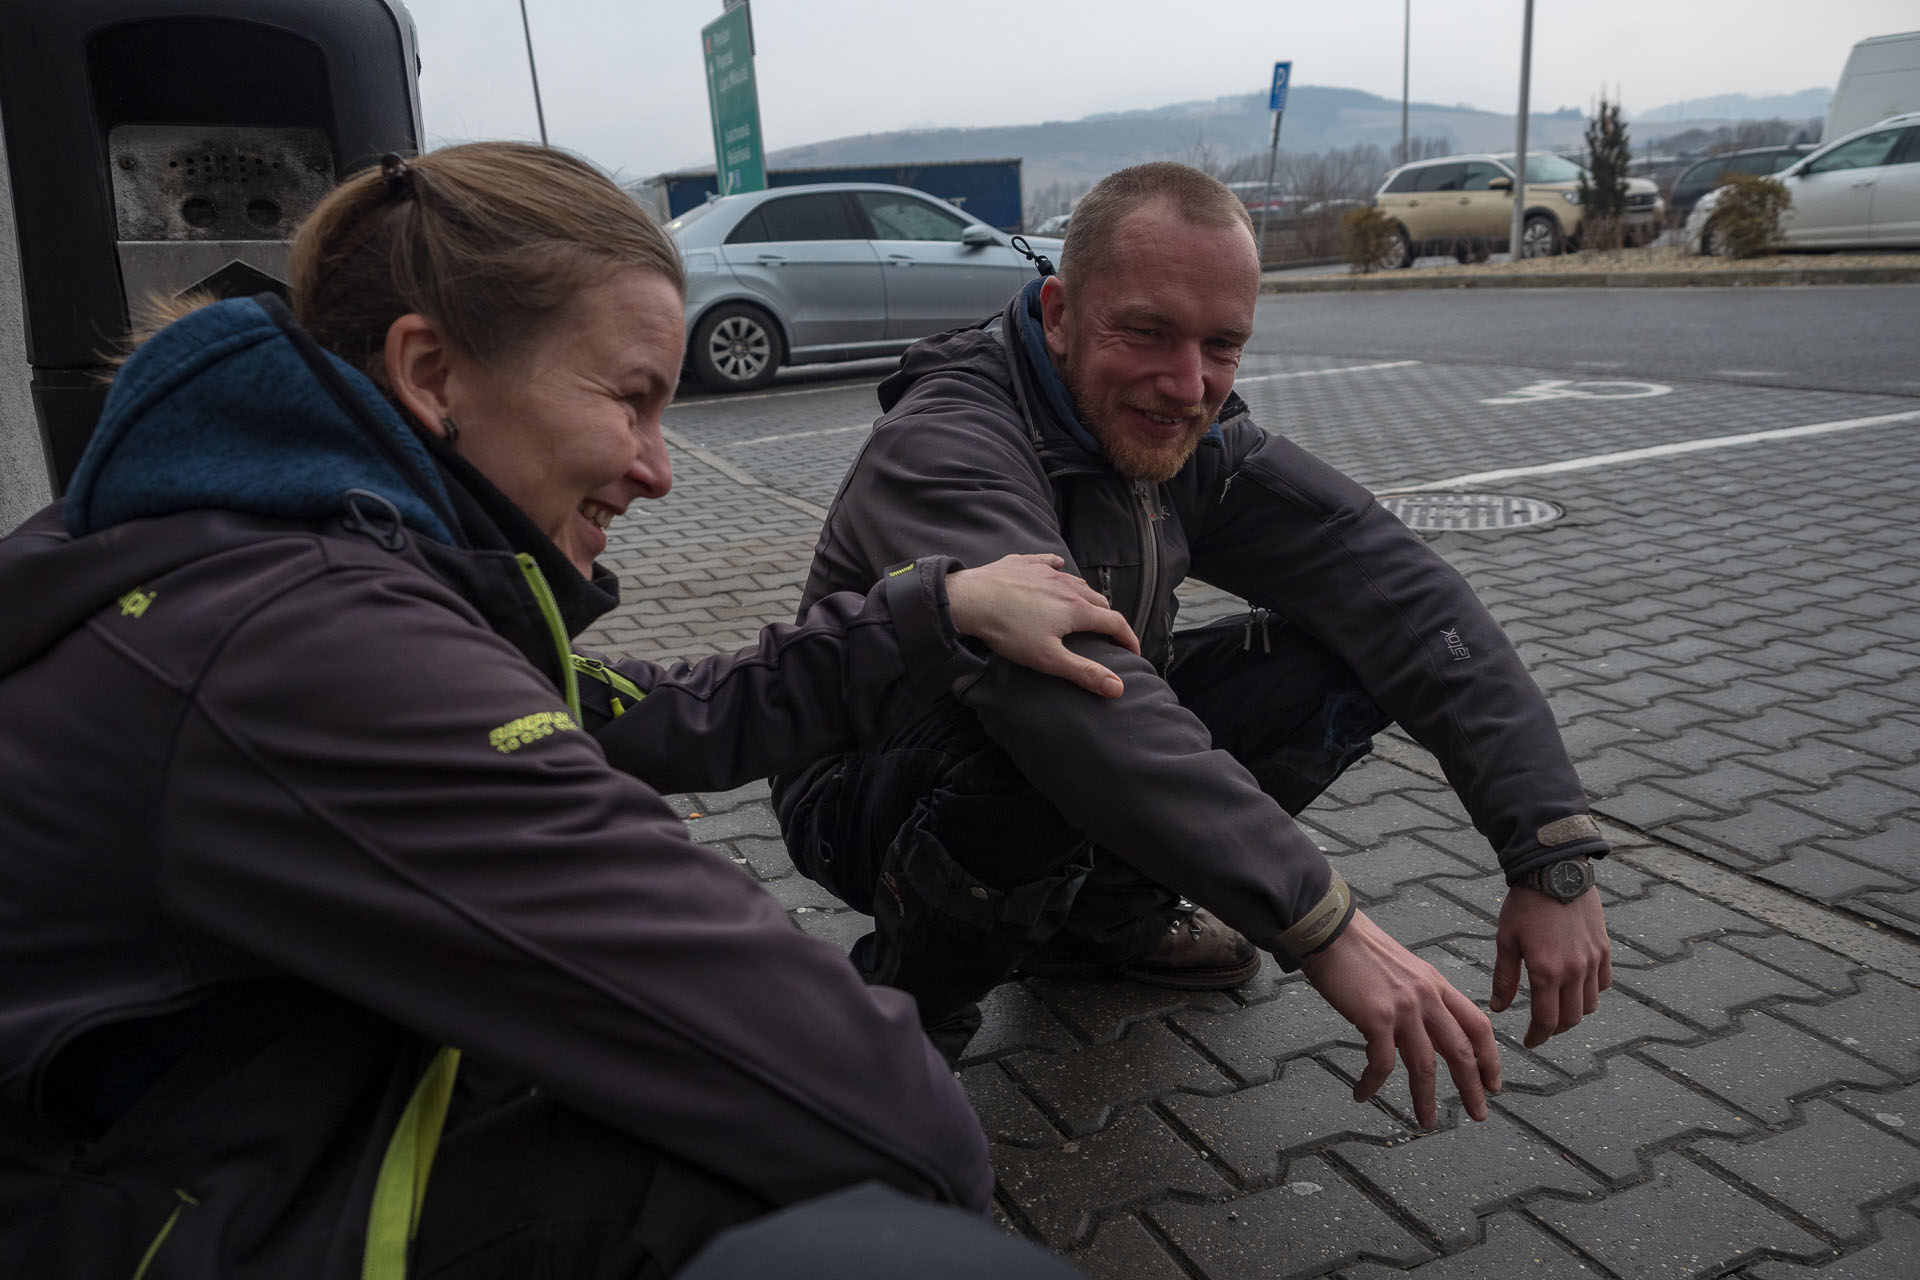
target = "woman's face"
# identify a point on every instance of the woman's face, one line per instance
(570, 428)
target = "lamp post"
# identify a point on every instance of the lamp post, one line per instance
(1520, 140)
(534, 72)
(1406, 61)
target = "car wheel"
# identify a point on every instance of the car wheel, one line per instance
(1400, 253)
(1540, 237)
(736, 347)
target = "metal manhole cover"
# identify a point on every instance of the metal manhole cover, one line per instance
(1438, 512)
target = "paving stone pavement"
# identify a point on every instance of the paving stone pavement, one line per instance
(1732, 644)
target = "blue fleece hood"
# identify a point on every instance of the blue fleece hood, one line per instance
(220, 410)
(1033, 343)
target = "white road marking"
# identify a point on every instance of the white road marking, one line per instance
(1747, 373)
(1562, 389)
(1321, 373)
(797, 435)
(1669, 450)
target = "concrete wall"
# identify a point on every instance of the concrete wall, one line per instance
(24, 488)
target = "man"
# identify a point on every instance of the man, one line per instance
(1097, 421)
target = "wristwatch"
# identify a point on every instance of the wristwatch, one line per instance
(1564, 880)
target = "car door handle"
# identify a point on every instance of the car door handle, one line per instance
(1463, 200)
(900, 260)
(771, 260)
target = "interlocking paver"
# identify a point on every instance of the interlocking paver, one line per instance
(1101, 1012)
(1447, 1178)
(1882, 1022)
(749, 820)
(1008, 1115)
(1379, 873)
(1314, 1220)
(1306, 1104)
(1825, 1169)
(1125, 1250)
(1826, 876)
(1513, 1247)
(1014, 1018)
(1681, 1222)
(1668, 918)
(1249, 1040)
(1763, 1066)
(1135, 1159)
(1083, 1088)
(1890, 1257)
(1610, 1122)
(1706, 986)
(1803, 960)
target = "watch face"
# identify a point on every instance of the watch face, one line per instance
(1566, 880)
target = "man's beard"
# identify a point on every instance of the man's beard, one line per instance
(1153, 462)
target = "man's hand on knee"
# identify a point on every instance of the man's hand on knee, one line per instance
(1568, 958)
(1405, 1009)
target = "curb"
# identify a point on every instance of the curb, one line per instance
(1598, 280)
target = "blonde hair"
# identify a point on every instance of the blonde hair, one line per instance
(1196, 197)
(489, 240)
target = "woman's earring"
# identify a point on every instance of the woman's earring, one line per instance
(452, 429)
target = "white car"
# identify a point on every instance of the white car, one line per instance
(1859, 192)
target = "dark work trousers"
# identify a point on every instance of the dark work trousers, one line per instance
(966, 869)
(535, 1191)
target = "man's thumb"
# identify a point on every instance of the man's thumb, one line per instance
(1506, 976)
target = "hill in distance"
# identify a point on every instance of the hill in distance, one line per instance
(1318, 118)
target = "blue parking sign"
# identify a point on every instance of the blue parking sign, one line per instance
(1277, 100)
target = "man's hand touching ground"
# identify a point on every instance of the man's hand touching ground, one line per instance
(1402, 1005)
(1569, 961)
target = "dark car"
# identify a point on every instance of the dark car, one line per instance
(1702, 177)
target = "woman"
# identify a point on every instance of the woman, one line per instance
(300, 783)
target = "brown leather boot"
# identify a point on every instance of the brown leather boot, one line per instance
(1197, 953)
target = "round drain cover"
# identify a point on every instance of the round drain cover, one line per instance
(1436, 512)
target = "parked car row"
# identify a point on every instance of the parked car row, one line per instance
(1463, 205)
(1859, 191)
(836, 271)
(1704, 175)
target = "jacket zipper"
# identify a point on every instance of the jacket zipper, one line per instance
(606, 675)
(1150, 559)
(550, 610)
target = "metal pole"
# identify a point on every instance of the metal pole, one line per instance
(533, 71)
(1520, 140)
(1266, 199)
(1406, 61)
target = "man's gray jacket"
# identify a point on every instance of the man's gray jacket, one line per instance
(978, 454)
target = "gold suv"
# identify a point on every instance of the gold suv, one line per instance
(1463, 205)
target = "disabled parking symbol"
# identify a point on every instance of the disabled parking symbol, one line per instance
(1566, 389)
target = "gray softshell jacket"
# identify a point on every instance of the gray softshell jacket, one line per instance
(292, 795)
(978, 454)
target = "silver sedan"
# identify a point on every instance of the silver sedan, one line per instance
(834, 271)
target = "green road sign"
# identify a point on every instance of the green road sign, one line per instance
(735, 103)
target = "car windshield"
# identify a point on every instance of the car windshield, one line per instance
(1544, 166)
(690, 217)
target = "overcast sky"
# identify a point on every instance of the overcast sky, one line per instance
(622, 81)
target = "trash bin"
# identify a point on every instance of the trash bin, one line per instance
(158, 146)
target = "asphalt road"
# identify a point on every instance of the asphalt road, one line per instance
(1836, 338)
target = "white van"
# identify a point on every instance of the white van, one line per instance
(1881, 79)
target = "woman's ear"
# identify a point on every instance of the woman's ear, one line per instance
(419, 362)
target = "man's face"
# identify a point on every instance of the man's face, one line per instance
(1149, 345)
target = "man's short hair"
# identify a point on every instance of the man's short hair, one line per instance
(1198, 198)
